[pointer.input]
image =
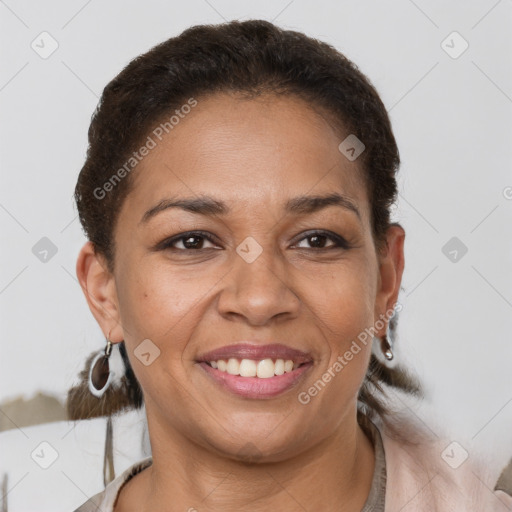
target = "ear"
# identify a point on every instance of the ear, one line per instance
(391, 267)
(99, 288)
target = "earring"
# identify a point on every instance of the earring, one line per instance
(100, 375)
(386, 347)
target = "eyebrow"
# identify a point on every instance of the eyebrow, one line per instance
(209, 206)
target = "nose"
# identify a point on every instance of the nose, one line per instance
(258, 292)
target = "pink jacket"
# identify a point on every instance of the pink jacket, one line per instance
(427, 474)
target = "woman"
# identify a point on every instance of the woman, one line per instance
(236, 197)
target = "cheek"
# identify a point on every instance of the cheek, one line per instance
(161, 303)
(350, 343)
(343, 300)
(341, 372)
(162, 307)
(342, 304)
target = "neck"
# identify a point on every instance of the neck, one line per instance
(335, 474)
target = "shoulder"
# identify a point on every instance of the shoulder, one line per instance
(429, 472)
(105, 499)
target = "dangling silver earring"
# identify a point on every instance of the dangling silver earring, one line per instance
(100, 375)
(386, 347)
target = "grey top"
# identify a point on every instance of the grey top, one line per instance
(105, 500)
(377, 498)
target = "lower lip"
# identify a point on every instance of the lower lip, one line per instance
(254, 387)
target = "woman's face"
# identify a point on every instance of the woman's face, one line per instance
(269, 266)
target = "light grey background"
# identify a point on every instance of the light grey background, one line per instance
(452, 120)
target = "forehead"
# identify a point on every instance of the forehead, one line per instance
(248, 152)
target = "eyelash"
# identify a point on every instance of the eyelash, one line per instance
(339, 242)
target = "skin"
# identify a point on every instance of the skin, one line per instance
(254, 155)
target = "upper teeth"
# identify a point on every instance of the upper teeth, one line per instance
(249, 368)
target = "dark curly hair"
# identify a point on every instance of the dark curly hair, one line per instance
(249, 58)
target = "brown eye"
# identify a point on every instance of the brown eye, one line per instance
(188, 241)
(324, 240)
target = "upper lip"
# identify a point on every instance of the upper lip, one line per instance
(248, 350)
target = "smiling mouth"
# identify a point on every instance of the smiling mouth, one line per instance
(268, 381)
(262, 369)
